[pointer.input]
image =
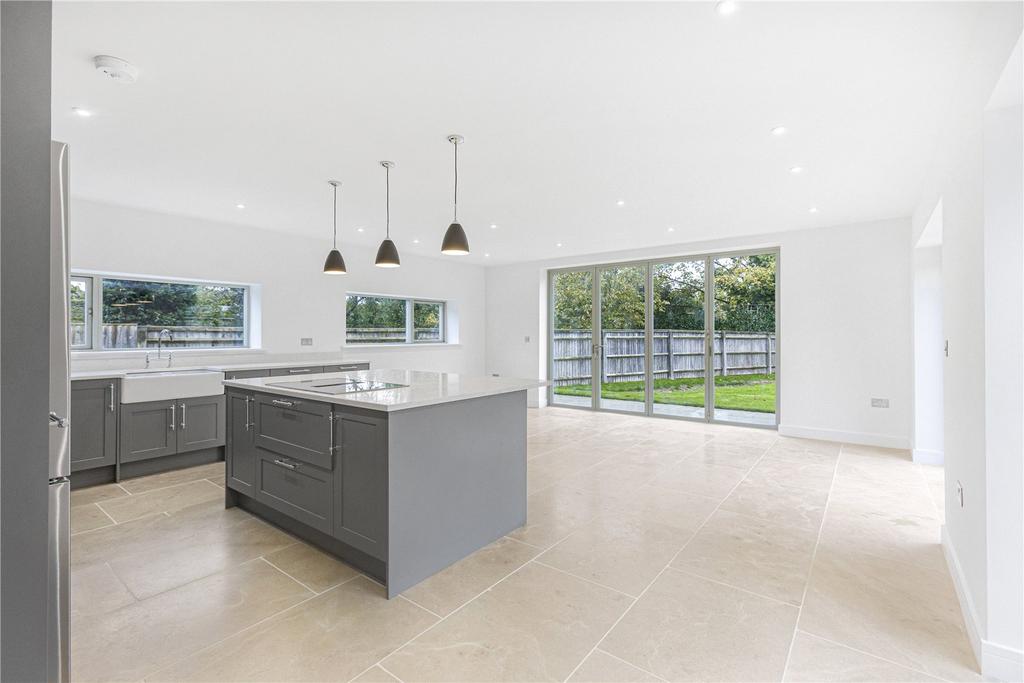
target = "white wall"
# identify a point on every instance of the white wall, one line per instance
(297, 299)
(845, 323)
(928, 355)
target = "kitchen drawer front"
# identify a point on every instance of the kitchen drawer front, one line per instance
(245, 374)
(295, 428)
(347, 367)
(287, 372)
(300, 491)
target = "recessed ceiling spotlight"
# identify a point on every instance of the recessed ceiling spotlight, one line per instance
(813, 209)
(415, 241)
(796, 170)
(360, 229)
(671, 229)
(487, 256)
(621, 202)
(84, 113)
(778, 130)
(558, 244)
(494, 226)
(725, 7)
(239, 206)
(116, 68)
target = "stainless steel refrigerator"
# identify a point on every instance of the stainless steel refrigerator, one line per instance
(60, 432)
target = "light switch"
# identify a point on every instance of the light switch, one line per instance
(306, 341)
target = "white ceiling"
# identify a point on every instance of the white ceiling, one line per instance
(566, 108)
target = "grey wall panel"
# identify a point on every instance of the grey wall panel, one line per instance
(25, 29)
(456, 482)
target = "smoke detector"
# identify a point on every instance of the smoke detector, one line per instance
(116, 69)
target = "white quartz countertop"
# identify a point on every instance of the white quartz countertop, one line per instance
(118, 373)
(422, 388)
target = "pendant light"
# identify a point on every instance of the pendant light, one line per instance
(335, 264)
(455, 242)
(387, 253)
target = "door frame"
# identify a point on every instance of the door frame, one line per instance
(709, 333)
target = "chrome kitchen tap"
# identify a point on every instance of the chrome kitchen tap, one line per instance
(160, 345)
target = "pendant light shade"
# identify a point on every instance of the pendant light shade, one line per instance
(387, 253)
(455, 242)
(335, 264)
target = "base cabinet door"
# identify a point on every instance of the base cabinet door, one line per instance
(361, 482)
(148, 430)
(93, 424)
(200, 423)
(240, 448)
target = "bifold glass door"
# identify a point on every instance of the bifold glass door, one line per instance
(691, 338)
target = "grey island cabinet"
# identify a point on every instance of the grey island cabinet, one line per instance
(400, 481)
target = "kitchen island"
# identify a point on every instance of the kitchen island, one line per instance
(400, 473)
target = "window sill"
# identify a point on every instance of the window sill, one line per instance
(420, 345)
(82, 354)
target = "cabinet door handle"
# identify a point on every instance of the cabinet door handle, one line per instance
(285, 464)
(299, 371)
(279, 402)
(111, 405)
(174, 407)
(183, 415)
(330, 421)
(247, 400)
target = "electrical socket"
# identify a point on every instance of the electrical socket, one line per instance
(879, 403)
(305, 341)
(960, 493)
(526, 340)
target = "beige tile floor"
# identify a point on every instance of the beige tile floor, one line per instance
(654, 550)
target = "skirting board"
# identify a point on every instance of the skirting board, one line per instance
(998, 663)
(862, 438)
(923, 456)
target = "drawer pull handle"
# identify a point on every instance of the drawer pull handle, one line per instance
(299, 371)
(284, 463)
(286, 404)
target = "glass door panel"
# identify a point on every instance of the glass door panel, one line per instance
(623, 338)
(572, 338)
(745, 339)
(679, 339)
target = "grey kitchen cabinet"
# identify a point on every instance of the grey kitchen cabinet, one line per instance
(148, 430)
(155, 429)
(310, 370)
(296, 428)
(240, 447)
(300, 490)
(361, 481)
(93, 423)
(245, 374)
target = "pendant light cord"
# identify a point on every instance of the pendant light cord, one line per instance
(387, 202)
(456, 144)
(335, 216)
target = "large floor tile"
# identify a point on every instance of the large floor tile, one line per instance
(97, 590)
(886, 467)
(88, 517)
(447, 590)
(311, 567)
(890, 609)
(795, 507)
(686, 628)
(619, 551)
(685, 511)
(751, 553)
(804, 450)
(601, 667)
(96, 494)
(894, 535)
(165, 479)
(332, 637)
(554, 513)
(814, 660)
(161, 500)
(556, 465)
(536, 625)
(132, 642)
(693, 476)
(207, 552)
(730, 454)
(805, 474)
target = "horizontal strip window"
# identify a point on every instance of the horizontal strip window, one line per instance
(117, 313)
(371, 319)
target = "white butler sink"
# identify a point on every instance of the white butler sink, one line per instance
(138, 387)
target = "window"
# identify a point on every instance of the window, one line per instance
(389, 320)
(134, 313)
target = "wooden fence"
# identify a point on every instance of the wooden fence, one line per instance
(676, 354)
(389, 335)
(132, 336)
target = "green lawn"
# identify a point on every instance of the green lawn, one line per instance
(755, 393)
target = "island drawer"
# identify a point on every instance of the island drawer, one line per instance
(299, 490)
(245, 374)
(295, 428)
(309, 370)
(346, 367)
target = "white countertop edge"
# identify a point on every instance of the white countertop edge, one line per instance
(119, 373)
(258, 384)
